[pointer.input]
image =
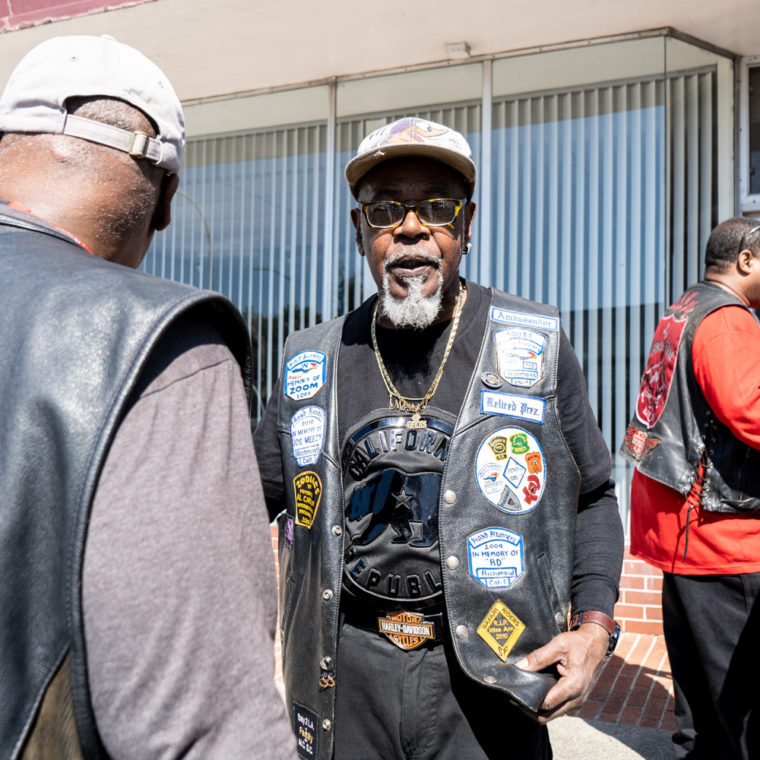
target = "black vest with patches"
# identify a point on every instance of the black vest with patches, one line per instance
(506, 508)
(75, 335)
(673, 428)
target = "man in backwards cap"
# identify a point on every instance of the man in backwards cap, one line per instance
(137, 593)
(442, 489)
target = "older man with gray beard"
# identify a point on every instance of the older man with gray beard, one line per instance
(441, 488)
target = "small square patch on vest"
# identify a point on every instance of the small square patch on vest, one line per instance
(637, 442)
(407, 630)
(305, 729)
(501, 629)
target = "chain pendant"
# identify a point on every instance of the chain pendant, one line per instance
(416, 423)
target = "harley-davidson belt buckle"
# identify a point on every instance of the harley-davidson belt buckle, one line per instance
(407, 630)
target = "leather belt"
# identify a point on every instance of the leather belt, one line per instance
(406, 629)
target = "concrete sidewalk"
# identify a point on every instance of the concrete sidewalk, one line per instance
(585, 739)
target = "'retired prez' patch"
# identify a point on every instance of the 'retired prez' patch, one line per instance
(305, 374)
(407, 630)
(501, 629)
(308, 493)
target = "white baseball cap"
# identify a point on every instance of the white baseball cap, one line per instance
(411, 136)
(34, 100)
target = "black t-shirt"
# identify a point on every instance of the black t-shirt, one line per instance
(412, 364)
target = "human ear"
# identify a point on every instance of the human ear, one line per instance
(356, 219)
(163, 214)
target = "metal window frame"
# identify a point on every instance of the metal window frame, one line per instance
(747, 202)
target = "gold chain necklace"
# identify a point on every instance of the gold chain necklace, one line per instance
(409, 404)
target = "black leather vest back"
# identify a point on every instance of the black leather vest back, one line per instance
(75, 334)
(673, 428)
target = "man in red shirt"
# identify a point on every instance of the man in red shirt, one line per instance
(695, 495)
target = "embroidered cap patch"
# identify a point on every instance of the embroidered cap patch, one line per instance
(501, 629)
(407, 630)
(308, 493)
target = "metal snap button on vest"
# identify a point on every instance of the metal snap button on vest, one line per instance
(326, 725)
(449, 496)
(325, 663)
(490, 679)
(452, 563)
(327, 594)
(560, 618)
(462, 632)
(491, 380)
(337, 530)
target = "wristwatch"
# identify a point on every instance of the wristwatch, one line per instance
(594, 616)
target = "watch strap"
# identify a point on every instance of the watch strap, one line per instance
(593, 616)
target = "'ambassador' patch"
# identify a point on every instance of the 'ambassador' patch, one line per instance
(305, 374)
(308, 493)
(501, 629)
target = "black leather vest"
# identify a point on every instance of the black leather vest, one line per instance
(75, 334)
(506, 512)
(673, 428)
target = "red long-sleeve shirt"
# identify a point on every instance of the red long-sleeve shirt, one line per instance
(726, 360)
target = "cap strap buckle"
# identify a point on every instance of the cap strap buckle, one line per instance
(138, 148)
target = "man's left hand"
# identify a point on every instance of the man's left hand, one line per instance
(578, 656)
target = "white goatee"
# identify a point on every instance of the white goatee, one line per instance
(414, 310)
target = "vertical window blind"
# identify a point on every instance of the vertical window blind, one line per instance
(600, 201)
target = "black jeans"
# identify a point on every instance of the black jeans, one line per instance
(712, 632)
(397, 705)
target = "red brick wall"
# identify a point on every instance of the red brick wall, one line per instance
(639, 608)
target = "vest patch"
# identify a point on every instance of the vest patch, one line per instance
(520, 355)
(308, 493)
(496, 557)
(392, 479)
(307, 433)
(511, 405)
(305, 729)
(305, 374)
(288, 531)
(661, 363)
(523, 319)
(501, 629)
(407, 630)
(637, 443)
(510, 470)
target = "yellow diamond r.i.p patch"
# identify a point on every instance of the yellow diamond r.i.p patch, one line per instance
(500, 629)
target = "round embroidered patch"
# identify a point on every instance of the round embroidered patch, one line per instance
(510, 470)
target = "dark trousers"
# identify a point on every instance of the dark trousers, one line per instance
(712, 632)
(397, 705)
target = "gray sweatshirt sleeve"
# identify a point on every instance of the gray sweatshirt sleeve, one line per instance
(179, 582)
